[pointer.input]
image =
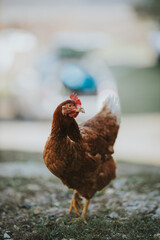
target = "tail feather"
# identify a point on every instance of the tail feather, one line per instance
(108, 96)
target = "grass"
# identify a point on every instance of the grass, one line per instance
(20, 219)
(37, 208)
(98, 227)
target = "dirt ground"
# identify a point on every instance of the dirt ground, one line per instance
(34, 204)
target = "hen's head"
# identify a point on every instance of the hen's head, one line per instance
(72, 107)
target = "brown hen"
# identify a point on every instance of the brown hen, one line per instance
(81, 155)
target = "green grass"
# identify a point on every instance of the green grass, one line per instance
(19, 201)
(98, 227)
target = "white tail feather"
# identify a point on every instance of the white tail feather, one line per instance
(108, 95)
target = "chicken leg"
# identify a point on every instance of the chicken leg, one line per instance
(85, 208)
(75, 200)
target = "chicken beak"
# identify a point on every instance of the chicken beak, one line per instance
(80, 109)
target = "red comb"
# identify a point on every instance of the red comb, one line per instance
(75, 98)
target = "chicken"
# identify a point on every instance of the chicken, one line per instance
(81, 155)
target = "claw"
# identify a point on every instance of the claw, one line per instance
(81, 218)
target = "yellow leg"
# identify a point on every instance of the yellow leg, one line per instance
(75, 200)
(79, 203)
(83, 215)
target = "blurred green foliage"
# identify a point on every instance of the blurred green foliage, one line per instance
(139, 89)
(149, 8)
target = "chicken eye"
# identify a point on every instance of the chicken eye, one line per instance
(69, 105)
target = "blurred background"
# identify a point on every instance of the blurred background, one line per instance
(50, 48)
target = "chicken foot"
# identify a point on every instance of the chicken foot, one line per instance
(75, 200)
(85, 208)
